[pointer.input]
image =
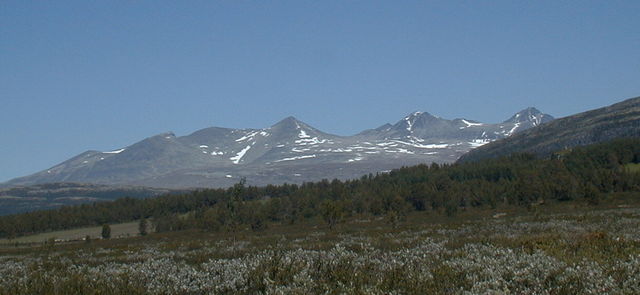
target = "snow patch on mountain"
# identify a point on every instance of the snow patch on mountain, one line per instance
(535, 120)
(114, 152)
(309, 141)
(355, 159)
(249, 136)
(513, 130)
(236, 159)
(303, 134)
(478, 142)
(295, 158)
(423, 146)
(401, 150)
(409, 119)
(469, 124)
(297, 150)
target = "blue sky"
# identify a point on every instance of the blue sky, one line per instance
(81, 75)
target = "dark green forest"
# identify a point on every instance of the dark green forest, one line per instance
(584, 174)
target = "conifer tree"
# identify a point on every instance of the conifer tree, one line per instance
(106, 231)
(142, 226)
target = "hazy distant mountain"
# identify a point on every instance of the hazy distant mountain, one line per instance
(615, 121)
(289, 151)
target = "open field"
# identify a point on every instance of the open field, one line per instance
(117, 231)
(631, 167)
(541, 251)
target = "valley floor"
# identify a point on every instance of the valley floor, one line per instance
(588, 251)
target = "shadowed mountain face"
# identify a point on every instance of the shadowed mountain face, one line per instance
(289, 151)
(599, 125)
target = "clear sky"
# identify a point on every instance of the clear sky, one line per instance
(81, 75)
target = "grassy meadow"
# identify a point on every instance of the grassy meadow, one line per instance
(121, 230)
(554, 248)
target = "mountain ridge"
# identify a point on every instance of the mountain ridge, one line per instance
(288, 151)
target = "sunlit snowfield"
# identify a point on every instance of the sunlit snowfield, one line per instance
(593, 252)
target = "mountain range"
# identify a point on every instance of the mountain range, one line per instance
(289, 151)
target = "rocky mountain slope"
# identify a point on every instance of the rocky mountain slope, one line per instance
(603, 124)
(289, 151)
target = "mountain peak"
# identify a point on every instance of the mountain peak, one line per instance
(530, 110)
(531, 115)
(290, 123)
(418, 114)
(290, 118)
(416, 120)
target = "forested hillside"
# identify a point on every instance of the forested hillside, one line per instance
(584, 174)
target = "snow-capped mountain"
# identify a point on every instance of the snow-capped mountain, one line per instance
(289, 151)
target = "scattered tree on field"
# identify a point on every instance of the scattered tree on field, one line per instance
(106, 231)
(142, 226)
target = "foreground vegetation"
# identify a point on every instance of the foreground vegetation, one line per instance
(588, 251)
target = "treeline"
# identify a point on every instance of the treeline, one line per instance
(582, 174)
